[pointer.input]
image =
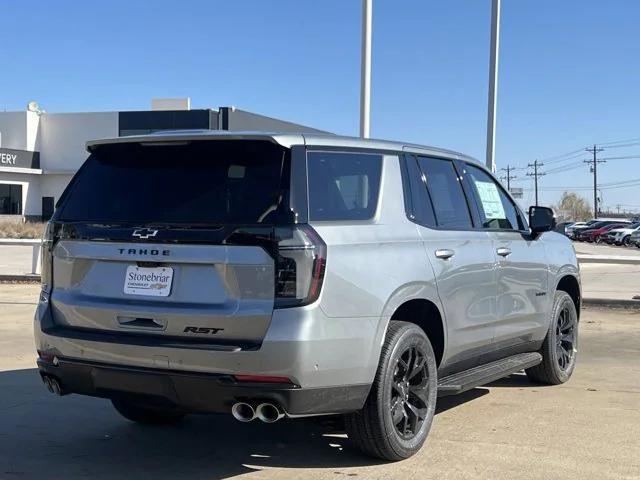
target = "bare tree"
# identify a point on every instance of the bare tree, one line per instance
(573, 207)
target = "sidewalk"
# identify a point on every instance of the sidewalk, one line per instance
(15, 260)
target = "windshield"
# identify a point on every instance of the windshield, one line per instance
(200, 182)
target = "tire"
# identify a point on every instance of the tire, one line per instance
(373, 429)
(626, 240)
(559, 350)
(140, 412)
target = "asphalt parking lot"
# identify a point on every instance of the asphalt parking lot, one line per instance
(588, 428)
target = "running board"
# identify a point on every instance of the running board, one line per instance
(487, 373)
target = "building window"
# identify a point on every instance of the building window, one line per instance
(10, 199)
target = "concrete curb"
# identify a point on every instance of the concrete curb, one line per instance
(26, 278)
(615, 259)
(611, 302)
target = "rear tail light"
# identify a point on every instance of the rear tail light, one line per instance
(300, 265)
(46, 257)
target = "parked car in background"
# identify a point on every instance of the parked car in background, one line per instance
(620, 236)
(562, 227)
(571, 230)
(595, 234)
(578, 233)
(634, 238)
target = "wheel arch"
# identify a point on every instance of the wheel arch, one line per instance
(418, 303)
(571, 285)
(425, 314)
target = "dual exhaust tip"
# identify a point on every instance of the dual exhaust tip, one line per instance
(266, 412)
(52, 384)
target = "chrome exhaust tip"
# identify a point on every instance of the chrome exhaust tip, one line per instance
(55, 386)
(243, 412)
(52, 384)
(269, 413)
(47, 383)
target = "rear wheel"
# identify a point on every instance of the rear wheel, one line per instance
(560, 345)
(399, 410)
(141, 412)
(626, 240)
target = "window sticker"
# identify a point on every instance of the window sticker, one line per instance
(490, 198)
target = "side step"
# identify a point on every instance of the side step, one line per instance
(487, 373)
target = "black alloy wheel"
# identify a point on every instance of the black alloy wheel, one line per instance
(566, 333)
(410, 394)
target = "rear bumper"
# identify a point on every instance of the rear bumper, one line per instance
(197, 392)
(332, 361)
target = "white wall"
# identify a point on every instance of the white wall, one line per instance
(53, 185)
(63, 137)
(33, 131)
(13, 130)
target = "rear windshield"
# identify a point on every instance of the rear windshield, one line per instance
(200, 182)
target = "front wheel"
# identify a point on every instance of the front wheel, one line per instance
(398, 413)
(626, 240)
(142, 412)
(560, 346)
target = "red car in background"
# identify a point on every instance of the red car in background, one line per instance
(593, 235)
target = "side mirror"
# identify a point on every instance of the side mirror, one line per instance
(541, 219)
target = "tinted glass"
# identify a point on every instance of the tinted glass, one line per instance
(10, 199)
(343, 186)
(497, 211)
(417, 197)
(448, 200)
(205, 182)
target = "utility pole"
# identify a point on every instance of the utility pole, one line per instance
(535, 174)
(365, 69)
(508, 176)
(594, 169)
(492, 101)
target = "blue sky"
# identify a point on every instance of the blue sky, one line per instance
(569, 77)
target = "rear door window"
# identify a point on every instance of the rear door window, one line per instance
(200, 182)
(497, 211)
(343, 186)
(446, 194)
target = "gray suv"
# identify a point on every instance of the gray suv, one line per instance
(292, 275)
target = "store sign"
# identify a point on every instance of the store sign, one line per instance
(19, 158)
(516, 192)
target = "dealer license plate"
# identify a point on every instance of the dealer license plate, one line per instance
(153, 282)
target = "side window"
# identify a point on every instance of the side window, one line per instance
(416, 196)
(497, 211)
(445, 192)
(343, 186)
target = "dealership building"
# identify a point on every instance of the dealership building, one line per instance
(40, 152)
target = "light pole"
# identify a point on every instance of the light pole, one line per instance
(493, 84)
(365, 74)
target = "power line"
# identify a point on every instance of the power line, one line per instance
(535, 174)
(594, 169)
(621, 158)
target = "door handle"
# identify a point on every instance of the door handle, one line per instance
(445, 253)
(503, 251)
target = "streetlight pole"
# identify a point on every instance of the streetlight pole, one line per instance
(365, 75)
(493, 85)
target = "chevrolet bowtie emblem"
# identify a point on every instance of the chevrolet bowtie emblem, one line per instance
(143, 233)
